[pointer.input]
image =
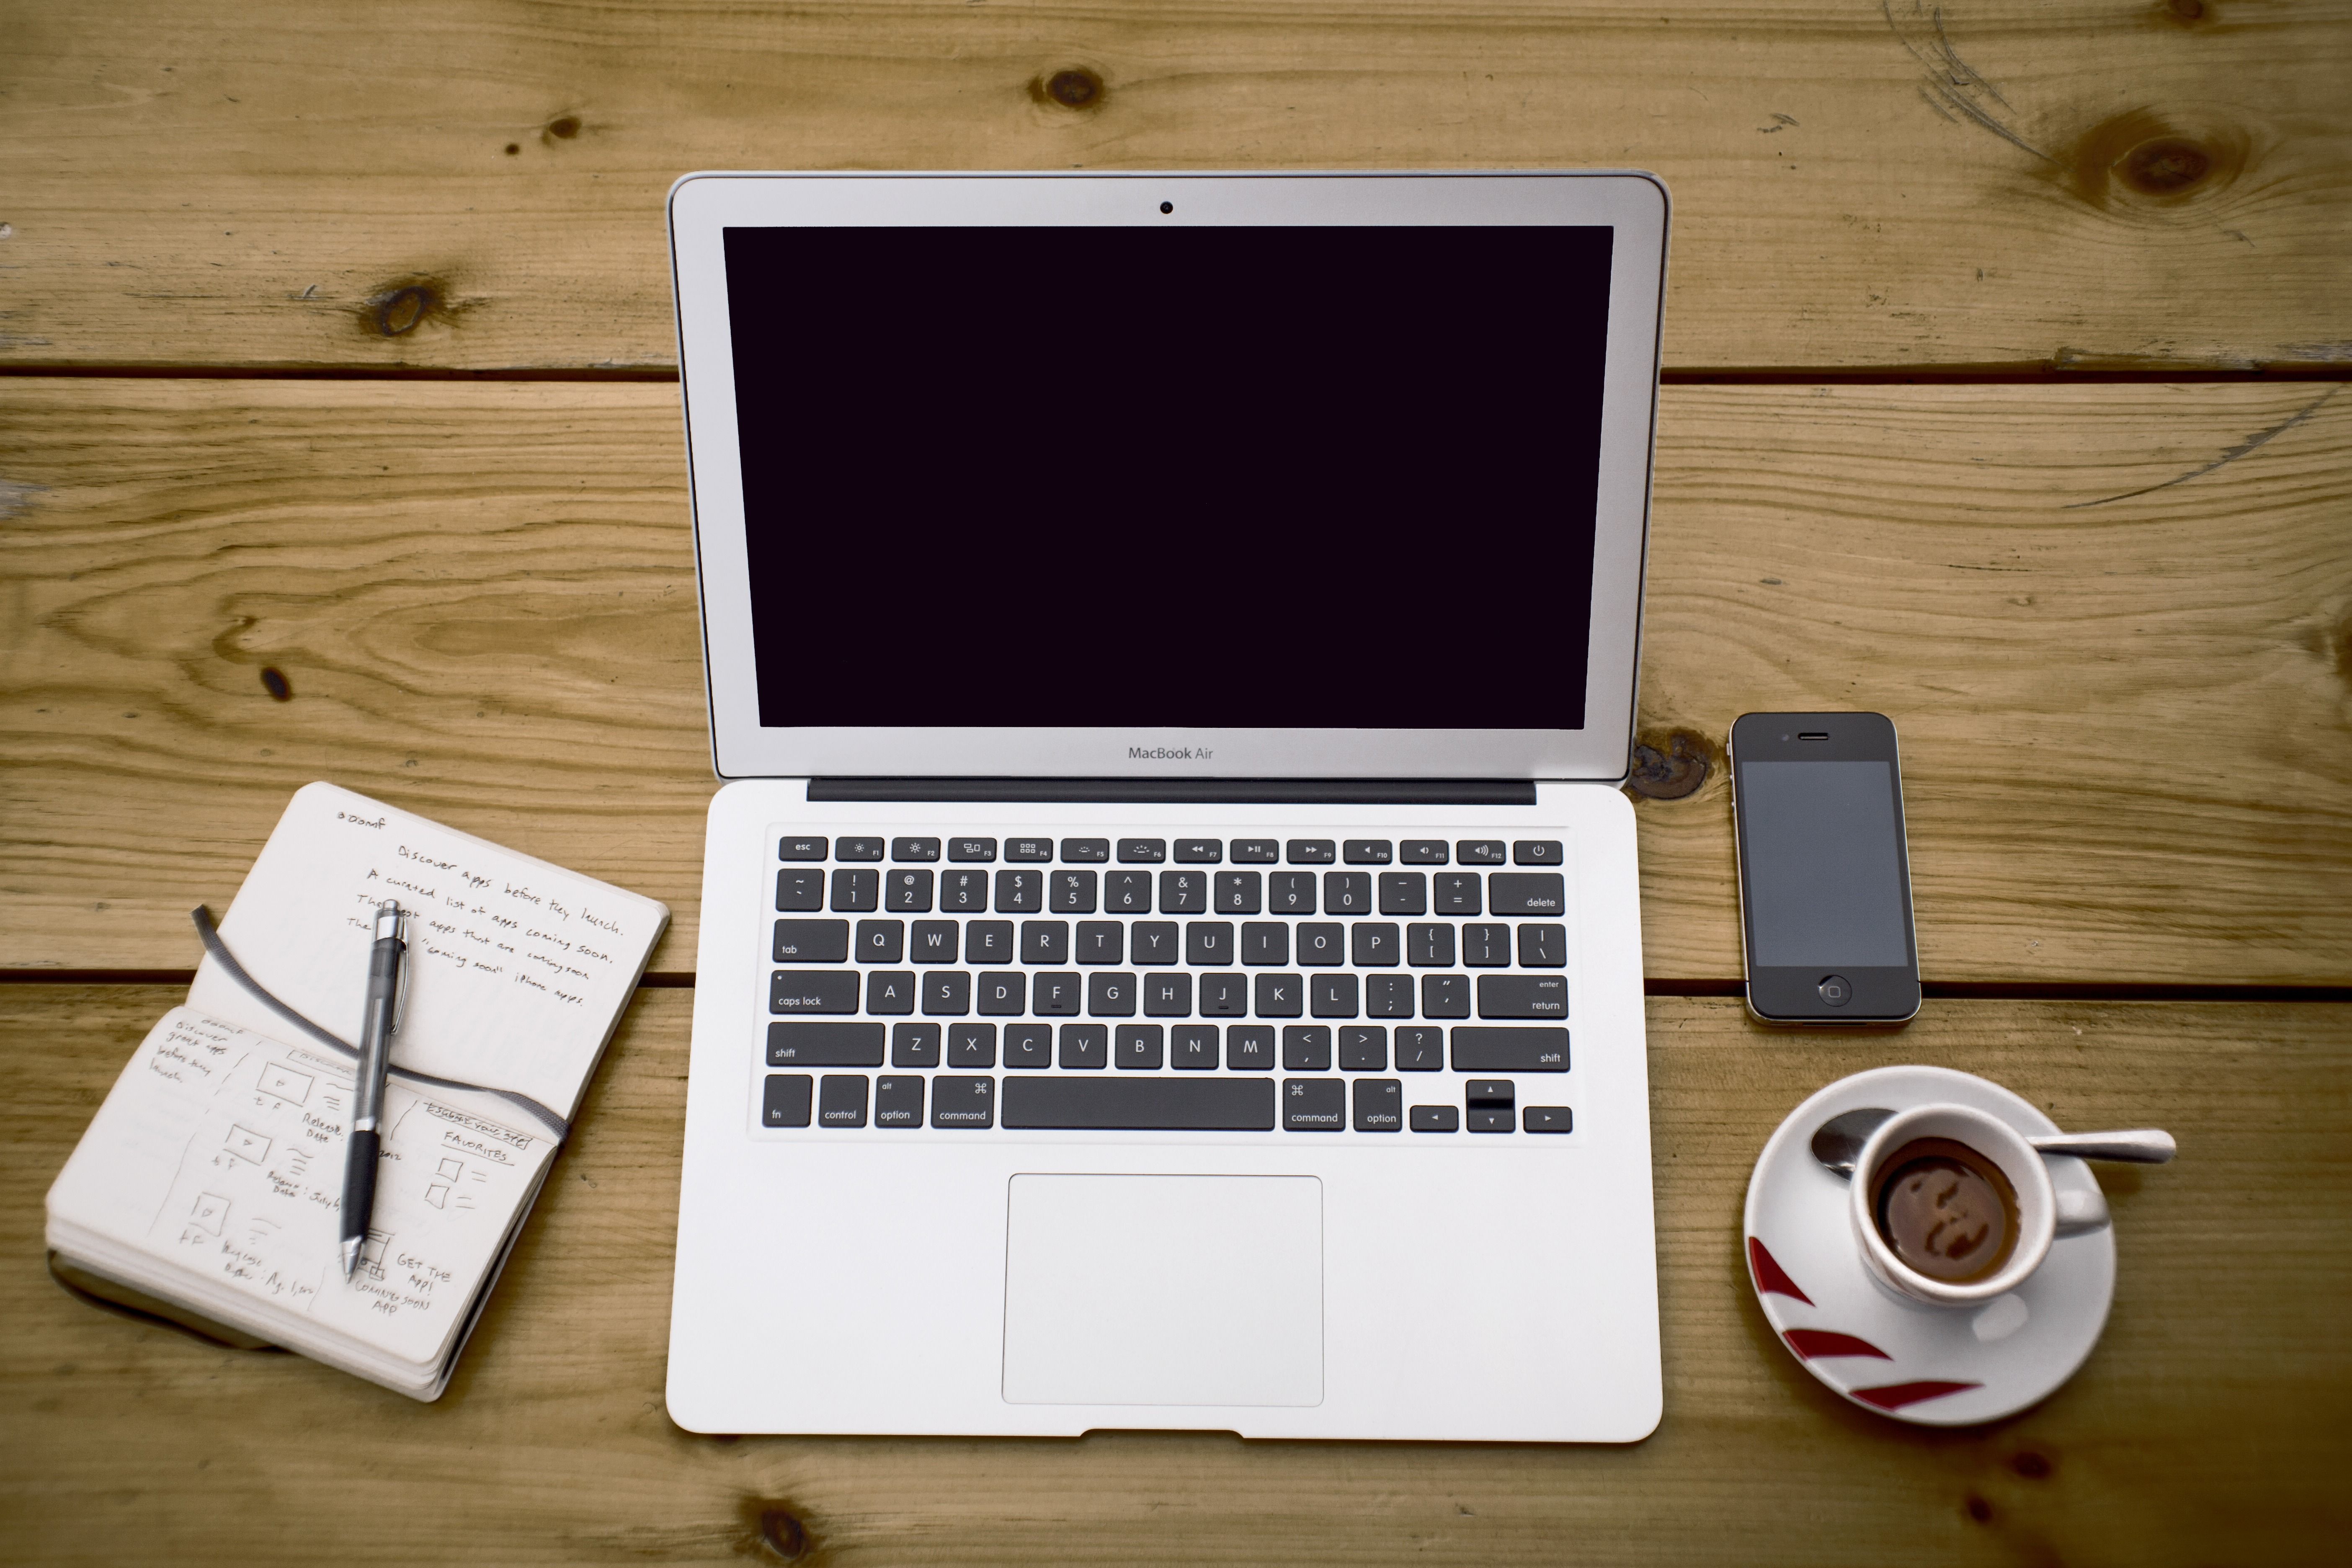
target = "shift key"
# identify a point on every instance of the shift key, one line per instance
(813, 991)
(1522, 996)
(1526, 892)
(1526, 1049)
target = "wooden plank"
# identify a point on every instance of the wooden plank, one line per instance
(2208, 1425)
(470, 183)
(2123, 720)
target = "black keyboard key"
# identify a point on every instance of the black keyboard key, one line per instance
(1152, 942)
(1404, 893)
(1055, 995)
(1085, 849)
(1373, 944)
(1126, 892)
(1537, 852)
(1004, 994)
(1249, 1048)
(1028, 1044)
(964, 1101)
(1367, 851)
(1313, 1104)
(914, 849)
(1526, 892)
(1102, 941)
(1436, 1119)
(1020, 892)
(1523, 996)
(899, 1101)
(1444, 995)
(1347, 892)
(1086, 1045)
(1073, 892)
(798, 890)
(1044, 942)
(814, 1045)
(1209, 943)
(1322, 942)
(1380, 1105)
(1488, 1092)
(1266, 942)
(1141, 1104)
(1142, 851)
(857, 849)
(964, 892)
(1199, 851)
(908, 892)
(1422, 852)
(1535, 1049)
(1388, 995)
(1281, 995)
(785, 1100)
(1455, 893)
(1363, 1047)
(889, 991)
(1110, 994)
(988, 942)
(800, 848)
(881, 941)
(1028, 849)
(1542, 945)
(1333, 996)
(1183, 892)
(811, 942)
(1487, 946)
(971, 849)
(1307, 1047)
(1168, 995)
(813, 991)
(841, 1100)
(1480, 852)
(856, 892)
(946, 993)
(1238, 893)
(971, 1044)
(1224, 995)
(1311, 851)
(1548, 1118)
(914, 1044)
(1490, 1120)
(935, 941)
(1136, 1047)
(1429, 946)
(1255, 851)
(1290, 892)
(1421, 1050)
(1192, 1047)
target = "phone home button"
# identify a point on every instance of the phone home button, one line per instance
(1836, 990)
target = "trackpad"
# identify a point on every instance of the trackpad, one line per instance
(1164, 1290)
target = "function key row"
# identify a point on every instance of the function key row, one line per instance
(913, 890)
(1187, 851)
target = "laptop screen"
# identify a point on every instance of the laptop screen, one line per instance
(1215, 476)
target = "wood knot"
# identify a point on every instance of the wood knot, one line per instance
(1074, 87)
(783, 1534)
(403, 308)
(1670, 766)
(2140, 155)
(563, 127)
(2033, 1467)
(2185, 10)
(1979, 1510)
(274, 681)
(2166, 167)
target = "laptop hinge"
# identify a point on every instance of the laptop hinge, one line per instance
(1197, 792)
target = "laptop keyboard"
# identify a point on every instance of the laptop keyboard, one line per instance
(1225, 985)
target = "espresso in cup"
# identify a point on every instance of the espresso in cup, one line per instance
(1946, 1210)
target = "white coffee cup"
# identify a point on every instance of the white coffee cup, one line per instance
(2040, 1215)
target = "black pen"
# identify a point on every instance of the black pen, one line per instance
(367, 1101)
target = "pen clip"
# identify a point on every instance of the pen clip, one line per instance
(399, 933)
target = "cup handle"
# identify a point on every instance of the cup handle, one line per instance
(2080, 1212)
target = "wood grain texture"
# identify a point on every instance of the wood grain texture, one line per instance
(480, 183)
(2127, 722)
(2210, 1426)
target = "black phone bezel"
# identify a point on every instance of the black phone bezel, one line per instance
(1882, 995)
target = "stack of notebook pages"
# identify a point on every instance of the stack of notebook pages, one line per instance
(208, 1187)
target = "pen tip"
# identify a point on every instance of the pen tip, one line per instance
(351, 1258)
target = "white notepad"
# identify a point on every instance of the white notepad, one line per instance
(212, 1176)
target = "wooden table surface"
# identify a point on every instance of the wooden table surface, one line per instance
(2005, 347)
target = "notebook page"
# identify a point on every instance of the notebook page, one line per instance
(517, 969)
(220, 1152)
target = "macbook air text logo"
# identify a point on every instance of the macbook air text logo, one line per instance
(1167, 753)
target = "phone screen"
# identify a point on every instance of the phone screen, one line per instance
(1824, 867)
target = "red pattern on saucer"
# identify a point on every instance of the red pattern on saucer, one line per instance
(1894, 1395)
(1770, 1275)
(1811, 1343)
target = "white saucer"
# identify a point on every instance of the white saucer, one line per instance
(1938, 1366)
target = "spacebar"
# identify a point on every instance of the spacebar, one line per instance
(1128, 1104)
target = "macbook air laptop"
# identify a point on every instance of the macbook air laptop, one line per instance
(1170, 948)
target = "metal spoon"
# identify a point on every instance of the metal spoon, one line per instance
(1839, 1142)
